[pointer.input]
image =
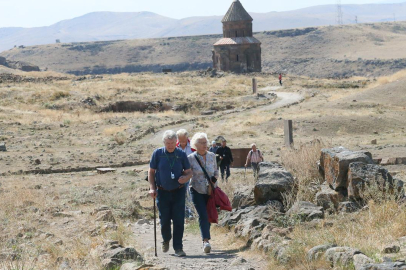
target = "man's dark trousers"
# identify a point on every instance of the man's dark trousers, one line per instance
(171, 205)
(225, 168)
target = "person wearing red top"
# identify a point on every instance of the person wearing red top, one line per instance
(280, 79)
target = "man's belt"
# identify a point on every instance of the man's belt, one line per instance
(161, 188)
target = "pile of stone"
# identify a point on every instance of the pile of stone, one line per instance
(347, 174)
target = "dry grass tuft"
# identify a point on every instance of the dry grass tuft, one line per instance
(302, 163)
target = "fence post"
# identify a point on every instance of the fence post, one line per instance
(288, 132)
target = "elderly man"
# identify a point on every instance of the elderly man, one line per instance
(184, 142)
(169, 172)
(255, 157)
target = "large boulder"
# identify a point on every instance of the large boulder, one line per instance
(341, 256)
(328, 198)
(361, 175)
(306, 211)
(273, 181)
(335, 163)
(2, 61)
(360, 260)
(315, 252)
(243, 197)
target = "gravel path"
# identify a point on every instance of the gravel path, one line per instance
(220, 257)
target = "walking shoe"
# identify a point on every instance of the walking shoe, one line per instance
(206, 247)
(180, 253)
(165, 247)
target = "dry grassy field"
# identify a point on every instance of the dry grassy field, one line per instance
(48, 219)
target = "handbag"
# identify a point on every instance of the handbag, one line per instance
(210, 187)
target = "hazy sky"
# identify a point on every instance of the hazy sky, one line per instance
(32, 13)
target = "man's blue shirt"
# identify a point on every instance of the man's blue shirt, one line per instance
(165, 164)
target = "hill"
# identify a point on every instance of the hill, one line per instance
(102, 26)
(339, 51)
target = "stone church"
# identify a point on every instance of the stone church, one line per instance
(238, 51)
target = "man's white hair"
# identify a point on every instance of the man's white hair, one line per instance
(169, 135)
(182, 132)
(252, 145)
(198, 136)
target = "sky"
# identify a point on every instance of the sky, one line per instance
(34, 13)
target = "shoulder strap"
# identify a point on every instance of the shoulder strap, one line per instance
(204, 170)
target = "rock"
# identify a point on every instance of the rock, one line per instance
(241, 216)
(316, 252)
(110, 264)
(306, 211)
(384, 266)
(328, 198)
(391, 249)
(375, 141)
(275, 206)
(335, 164)
(209, 112)
(243, 197)
(361, 174)
(2, 61)
(65, 265)
(238, 261)
(360, 260)
(115, 255)
(348, 207)
(129, 266)
(273, 181)
(106, 216)
(122, 254)
(341, 256)
(99, 209)
(3, 147)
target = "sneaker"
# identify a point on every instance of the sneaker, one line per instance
(180, 253)
(206, 247)
(165, 247)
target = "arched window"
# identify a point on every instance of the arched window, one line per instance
(236, 34)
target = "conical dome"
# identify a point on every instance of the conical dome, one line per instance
(236, 13)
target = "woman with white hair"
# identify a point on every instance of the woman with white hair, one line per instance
(202, 162)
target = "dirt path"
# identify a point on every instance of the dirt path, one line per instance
(284, 99)
(221, 258)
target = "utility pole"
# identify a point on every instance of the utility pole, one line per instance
(356, 19)
(339, 13)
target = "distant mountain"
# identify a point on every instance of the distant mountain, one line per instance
(106, 26)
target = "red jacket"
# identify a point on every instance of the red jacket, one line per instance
(280, 76)
(217, 199)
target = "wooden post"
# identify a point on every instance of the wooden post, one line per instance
(254, 85)
(288, 133)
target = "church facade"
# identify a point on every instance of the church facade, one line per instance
(238, 51)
